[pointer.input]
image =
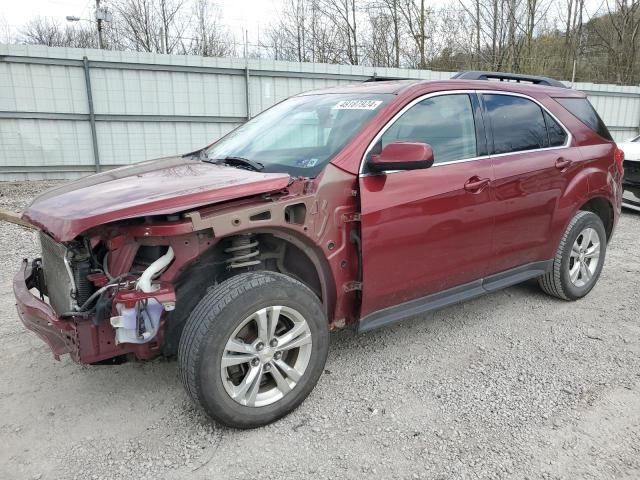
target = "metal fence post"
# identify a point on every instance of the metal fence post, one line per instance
(248, 96)
(92, 115)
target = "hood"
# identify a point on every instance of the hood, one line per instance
(156, 187)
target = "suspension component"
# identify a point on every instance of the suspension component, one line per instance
(243, 252)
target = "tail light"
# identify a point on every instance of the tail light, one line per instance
(618, 157)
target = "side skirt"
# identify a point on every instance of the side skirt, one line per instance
(451, 296)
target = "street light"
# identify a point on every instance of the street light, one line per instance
(102, 14)
(73, 18)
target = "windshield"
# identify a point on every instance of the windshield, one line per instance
(300, 135)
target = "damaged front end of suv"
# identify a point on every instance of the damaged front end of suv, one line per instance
(113, 283)
(127, 254)
(88, 312)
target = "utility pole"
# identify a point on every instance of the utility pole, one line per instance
(163, 47)
(102, 14)
(99, 17)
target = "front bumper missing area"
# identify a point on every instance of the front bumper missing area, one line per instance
(40, 318)
(81, 338)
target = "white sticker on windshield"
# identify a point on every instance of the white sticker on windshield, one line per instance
(358, 104)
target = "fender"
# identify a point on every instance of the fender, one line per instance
(316, 217)
(588, 184)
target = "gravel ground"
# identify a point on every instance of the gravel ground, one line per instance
(511, 385)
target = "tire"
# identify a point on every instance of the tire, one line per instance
(561, 281)
(231, 311)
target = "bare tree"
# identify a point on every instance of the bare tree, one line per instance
(45, 31)
(572, 33)
(303, 33)
(382, 48)
(326, 37)
(618, 31)
(211, 38)
(6, 33)
(343, 15)
(385, 16)
(534, 36)
(290, 37)
(152, 25)
(416, 15)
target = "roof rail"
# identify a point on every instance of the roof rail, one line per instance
(376, 78)
(508, 77)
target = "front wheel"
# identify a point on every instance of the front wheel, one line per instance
(253, 348)
(579, 259)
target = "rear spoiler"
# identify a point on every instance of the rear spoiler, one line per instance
(508, 77)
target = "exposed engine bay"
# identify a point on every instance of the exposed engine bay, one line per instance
(76, 279)
(113, 291)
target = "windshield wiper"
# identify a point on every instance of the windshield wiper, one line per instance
(236, 162)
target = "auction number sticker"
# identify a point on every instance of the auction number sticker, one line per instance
(358, 104)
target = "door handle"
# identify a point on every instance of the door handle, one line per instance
(476, 184)
(562, 164)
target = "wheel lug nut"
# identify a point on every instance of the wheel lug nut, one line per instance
(273, 343)
(260, 346)
(255, 362)
(277, 356)
(267, 367)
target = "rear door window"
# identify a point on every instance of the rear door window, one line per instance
(557, 134)
(518, 124)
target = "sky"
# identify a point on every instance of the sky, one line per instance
(253, 15)
(237, 15)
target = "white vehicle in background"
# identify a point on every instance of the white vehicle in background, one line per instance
(631, 183)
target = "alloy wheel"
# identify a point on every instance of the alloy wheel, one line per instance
(266, 356)
(584, 257)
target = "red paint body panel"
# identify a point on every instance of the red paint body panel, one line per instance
(528, 188)
(421, 231)
(149, 188)
(408, 155)
(39, 317)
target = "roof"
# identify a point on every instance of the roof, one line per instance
(387, 86)
(398, 87)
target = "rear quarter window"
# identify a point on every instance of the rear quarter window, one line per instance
(582, 109)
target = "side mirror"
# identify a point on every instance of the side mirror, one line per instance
(402, 156)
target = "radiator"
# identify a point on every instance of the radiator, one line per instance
(56, 274)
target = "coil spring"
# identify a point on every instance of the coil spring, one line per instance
(243, 251)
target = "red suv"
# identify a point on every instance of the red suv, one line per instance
(352, 206)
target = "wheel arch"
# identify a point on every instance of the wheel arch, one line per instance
(210, 268)
(578, 195)
(602, 207)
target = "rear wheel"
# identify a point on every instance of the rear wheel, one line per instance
(253, 348)
(579, 259)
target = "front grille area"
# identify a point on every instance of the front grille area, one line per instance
(56, 276)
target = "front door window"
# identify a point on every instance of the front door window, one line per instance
(445, 122)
